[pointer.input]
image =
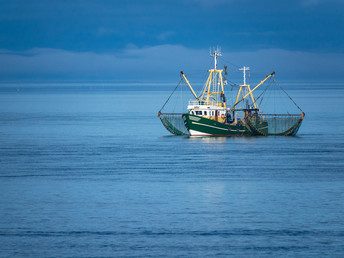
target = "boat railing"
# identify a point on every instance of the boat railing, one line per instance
(202, 102)
(282, 115)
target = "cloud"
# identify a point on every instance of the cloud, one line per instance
(163, 36)
(105, 31)
(211, 3)
(162, 63)
(293, 64)
(317, 2)
(131, 63)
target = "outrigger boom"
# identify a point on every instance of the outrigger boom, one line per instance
(208, 114)
(250, 92)
(187, 82)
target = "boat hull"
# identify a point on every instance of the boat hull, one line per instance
(201, 126)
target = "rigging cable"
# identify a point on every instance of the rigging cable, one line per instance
(288, 96)
(170, 96)
(264, 91)
(229, 62)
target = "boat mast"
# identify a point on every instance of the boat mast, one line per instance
(244, 88)
(215, 54)
(249, 92)
(213, 92)
(245, 69)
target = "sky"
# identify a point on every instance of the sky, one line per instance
(151, 41)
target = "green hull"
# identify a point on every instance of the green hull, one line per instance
(200, 126)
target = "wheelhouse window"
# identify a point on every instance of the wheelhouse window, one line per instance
(205, 113)
(199, 113)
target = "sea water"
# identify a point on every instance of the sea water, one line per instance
(91, 171)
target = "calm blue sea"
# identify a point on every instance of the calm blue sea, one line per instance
(91, 171)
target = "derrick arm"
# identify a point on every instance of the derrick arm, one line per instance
(193, 92)
(250, 92)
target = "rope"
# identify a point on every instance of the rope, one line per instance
(229, 62)
(264, 90)
(261, 95)
(170, 95)
(288, 96)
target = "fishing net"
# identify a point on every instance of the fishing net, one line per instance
(174, 123)
(171, 112)
(283, 124)
(282, 114)
(278, 114)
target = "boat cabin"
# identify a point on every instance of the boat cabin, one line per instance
(212, 112)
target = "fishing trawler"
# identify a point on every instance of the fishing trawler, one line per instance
(210, 115)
